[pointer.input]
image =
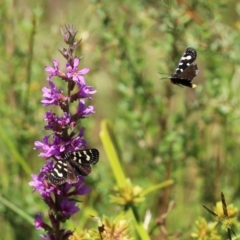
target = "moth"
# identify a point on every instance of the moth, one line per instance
(72, 165)
(186, 70)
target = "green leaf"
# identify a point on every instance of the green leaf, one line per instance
(111, 148)
(16, 209)
(157, 186)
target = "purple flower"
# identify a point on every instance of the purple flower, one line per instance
(38, 221)
(85, 91)
(65, 234)
(68, 207)
(78, 188)
(40, 183)
(49, 236)
(65, 120)
(78, 142)
(81, 189)
(48, 167)
(74, 74)
(55, 123)
(52, 96)
(58, 145)
(84, 111)
(51, 118)
(48, 149)
(53, 71)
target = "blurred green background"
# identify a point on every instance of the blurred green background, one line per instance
(164, 131)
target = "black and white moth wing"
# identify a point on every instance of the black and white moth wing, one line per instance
(185, 78)
(188, 57)
(64, 171)
(189, 73)
(72, 176)
(59, 173)
(88, 156)
(81, 160)
(81, 169)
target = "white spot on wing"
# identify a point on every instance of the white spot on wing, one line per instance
(189, 57)
(59, 174)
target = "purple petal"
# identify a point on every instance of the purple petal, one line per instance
(83, 71)
(38, 222)
(53, 71)
(75, 63)
(68, 207)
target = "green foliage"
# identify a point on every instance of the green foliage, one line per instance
(164, 132)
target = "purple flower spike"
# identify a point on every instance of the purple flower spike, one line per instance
(58, 182)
